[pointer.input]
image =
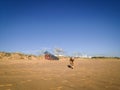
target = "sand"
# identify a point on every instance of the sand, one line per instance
(88, 74)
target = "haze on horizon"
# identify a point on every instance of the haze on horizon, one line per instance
(86, 26)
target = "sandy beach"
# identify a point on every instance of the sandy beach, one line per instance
(88, 74)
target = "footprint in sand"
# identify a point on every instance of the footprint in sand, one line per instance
(72, 74)
(46, 78)
(57, 88)
(6, 85)
(23, 82)
(83, 79)
(49, 78)
(26, 81)
(2, 85)
(8, 89)
(65, 81)
(29, 80)
(9, 85)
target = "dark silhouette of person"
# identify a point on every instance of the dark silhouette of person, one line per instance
(72, 62)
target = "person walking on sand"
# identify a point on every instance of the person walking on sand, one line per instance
(72, 62)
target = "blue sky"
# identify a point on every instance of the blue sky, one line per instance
(86, 26)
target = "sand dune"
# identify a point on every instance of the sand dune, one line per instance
(88, 74)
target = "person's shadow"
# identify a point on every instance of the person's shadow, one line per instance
(69, 66)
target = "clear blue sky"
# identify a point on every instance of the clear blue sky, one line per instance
(87, 26)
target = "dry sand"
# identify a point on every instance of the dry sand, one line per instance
(88, 74)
